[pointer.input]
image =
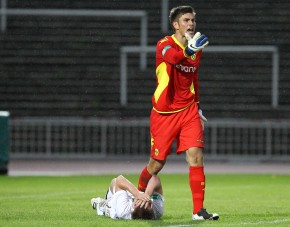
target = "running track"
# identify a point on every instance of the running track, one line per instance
(100, 167)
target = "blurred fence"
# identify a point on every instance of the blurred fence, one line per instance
(104, 138)
(273, 50)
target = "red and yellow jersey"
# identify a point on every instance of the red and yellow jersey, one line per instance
(176, 77)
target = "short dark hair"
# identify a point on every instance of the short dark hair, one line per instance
(178, 11)
(142, 213)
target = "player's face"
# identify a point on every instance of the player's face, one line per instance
(186, 24)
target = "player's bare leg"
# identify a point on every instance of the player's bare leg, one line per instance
(194, 157)
(153, 168)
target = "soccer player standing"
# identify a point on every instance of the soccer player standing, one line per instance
(176, 114)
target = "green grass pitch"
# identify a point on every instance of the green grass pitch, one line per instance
(240, 199)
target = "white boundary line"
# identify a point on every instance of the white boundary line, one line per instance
(243, 223)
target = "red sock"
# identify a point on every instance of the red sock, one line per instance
(197, 186)
(144, 179)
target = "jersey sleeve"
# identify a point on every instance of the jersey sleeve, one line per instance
(168, 53)
(123, 205)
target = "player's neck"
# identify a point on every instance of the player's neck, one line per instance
(181, 38)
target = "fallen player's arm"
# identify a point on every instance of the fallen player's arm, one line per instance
(154, 185)
(123, 184)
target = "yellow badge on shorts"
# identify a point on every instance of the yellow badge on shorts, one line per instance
(152, 141)
(156, 152)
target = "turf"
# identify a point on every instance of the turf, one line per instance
(241, 200)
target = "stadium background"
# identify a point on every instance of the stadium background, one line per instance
(64, 71)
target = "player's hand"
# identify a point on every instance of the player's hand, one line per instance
(142, 200)
(196, 43)
(144, 204)
(202, 118)
(148, 204)
(141, 196)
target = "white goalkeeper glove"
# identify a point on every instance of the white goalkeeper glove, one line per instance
(201, 115)
(202, 118)
(196, 43)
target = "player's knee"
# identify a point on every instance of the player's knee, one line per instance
(155, 166)
(194, 156)
(113, 184)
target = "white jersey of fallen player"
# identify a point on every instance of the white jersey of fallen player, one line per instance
(120, 205)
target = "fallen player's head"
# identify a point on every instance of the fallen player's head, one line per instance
(143, 213)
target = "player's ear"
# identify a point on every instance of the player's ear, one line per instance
(175, 25)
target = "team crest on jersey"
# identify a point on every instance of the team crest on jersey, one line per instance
(152, 141)
(193, 57)
(156, 152)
